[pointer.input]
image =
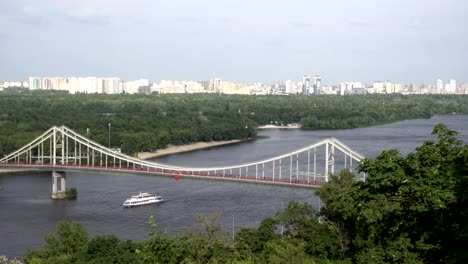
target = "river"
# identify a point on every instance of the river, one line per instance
(27, 213)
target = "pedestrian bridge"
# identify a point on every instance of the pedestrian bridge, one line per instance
(61, 149)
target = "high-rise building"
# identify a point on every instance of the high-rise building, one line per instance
(388, 87)
(377, 87)
(317, 84)
(205, 84)
(114, 85)
(130, 87)
(215, 85)
(398, 87)
(453, 86)
(305, 84)
(439, 86)
(34, 83)
(288, 87)
(344, 88)
(447, 87)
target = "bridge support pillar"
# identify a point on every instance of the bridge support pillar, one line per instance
(59, 193)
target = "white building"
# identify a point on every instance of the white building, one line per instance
(167, 86)
(439, 86)
(178, 87)
(377, 87)
(306, 84)
(317, 84)
(347, 87)
(110, 85)
(132, 87)
(288, 87)
(34, 83)
(447, 87)
(214, 85)
(398, 88)
(88, 85)
(327, 89)
(388, 87)
(229, 87)
(453, 86)
(77, 84)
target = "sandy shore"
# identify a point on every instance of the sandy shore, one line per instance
(279, 127)
(185, 148)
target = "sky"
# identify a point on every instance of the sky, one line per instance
(241, 40)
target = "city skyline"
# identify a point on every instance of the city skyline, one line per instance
(306, 86)
(434, 82)
(241, 41)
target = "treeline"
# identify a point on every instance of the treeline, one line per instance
(409, 210)
(143, 123)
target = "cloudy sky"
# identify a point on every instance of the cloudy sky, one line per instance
(242, 40)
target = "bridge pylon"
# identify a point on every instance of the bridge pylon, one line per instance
(59, 191)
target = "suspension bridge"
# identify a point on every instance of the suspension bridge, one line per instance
(60, 149)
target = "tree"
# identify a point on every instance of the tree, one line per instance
(296, 219)
(109, 249)
(205, 246)
(285, 251)
(162, 249)
(410, 209)
(337, 216)
(69, 241)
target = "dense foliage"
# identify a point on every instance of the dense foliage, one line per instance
(142, 123)
(410, 209)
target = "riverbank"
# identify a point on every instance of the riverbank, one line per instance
(186, 148)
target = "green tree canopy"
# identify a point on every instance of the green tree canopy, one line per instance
(410, 209)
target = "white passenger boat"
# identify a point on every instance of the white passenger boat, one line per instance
(143, 198)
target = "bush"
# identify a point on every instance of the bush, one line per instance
(71, 194)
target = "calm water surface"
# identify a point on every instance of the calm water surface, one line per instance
(27, 213)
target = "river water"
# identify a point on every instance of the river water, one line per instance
(27, 213)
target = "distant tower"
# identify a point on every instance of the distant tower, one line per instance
(305, 84)
(317, 84)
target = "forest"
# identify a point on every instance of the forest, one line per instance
(150, 122)
(411, 209)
